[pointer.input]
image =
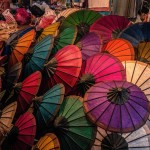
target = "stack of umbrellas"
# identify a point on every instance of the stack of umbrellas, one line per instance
(80, 83)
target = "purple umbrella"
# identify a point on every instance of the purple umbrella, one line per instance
(90, 45)
(117, 106)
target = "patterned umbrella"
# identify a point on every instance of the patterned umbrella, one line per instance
(64, 38)
(100, 67)
(64, 68)
(136, 140)
(21, 135)
(117, 106)
(48, 142)
(139, 32)
(35, 60)
(120, 48)
(72, 128)
(82, 19)
(89, 45)
(143, 52)
(108, 27)
(138, 73)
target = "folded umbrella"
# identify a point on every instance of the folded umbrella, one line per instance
(117, 106)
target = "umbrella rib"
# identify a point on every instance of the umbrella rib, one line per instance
(41, 144)
(47, 111)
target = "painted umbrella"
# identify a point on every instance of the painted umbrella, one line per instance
(2, 43)
(138, 73)
(64, 68)
(48, 142)
(120, 48)
(82, 19)
(19, 47)
(50, 30)
(100, 67)
(143, 52)
(108, 27)
(64, 38)
(117, 106)
(35, 60)
(89, 45)
(136, 140)
(65, 13)
(71, 126)
(47, 106)
(22, 134)
(25, 91)
(139, 32)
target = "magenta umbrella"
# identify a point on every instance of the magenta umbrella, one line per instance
(90, 45)
(100, 67)
(110, 26)
(117, 106)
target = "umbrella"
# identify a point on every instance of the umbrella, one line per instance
(120, 48)
(89, 45)
(72, 128)
(26, 91)
(100, 67)
(143, 52)
(64, 68)
(50, 30)
(117, 106)
(138, 73)
(137, 33)
(48, 142)
(20, 46)
(47, 106)
(3, 60)
(64, 38)
(1, 46)
(82, 19)
(36, 60)
(65, 13)
(7, 115)
(21, 135)
(138, 139)
(108, 27)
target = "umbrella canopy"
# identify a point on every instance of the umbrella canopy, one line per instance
(35, 61)
(137, 33)
(47, 106)
(26, 91)
(21, 136)
(2, 43)
(120, 48)
(139, 139)
(89, 45)
(138, 73)
(48, 142)
(108, 27)
(143, 52)
(63, 68)
(65, 13)
(100, 67)
(50, 30)
(64, 38)
(72, 128)
(82, 19)
(7, 115)
(3, 60)
(117, 106)
(19, 47)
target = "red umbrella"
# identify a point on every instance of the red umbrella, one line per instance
(22, 134)
(26, 91)
(110, 26)
(100, 67)
(64, 67)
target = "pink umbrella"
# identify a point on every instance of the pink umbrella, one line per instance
(110, 26)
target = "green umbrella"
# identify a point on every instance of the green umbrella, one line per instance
(74, 131)
(64, 38)
(47, 106)
(83, 19)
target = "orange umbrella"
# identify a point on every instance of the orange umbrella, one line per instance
(120, 48)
